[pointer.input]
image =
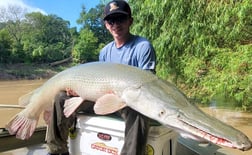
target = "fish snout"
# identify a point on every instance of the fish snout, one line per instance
(246, 147)
(245, 143)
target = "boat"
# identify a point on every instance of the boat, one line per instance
(87, 126)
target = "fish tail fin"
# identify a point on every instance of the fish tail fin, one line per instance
(22, 126)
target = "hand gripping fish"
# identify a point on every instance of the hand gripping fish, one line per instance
(115, 86)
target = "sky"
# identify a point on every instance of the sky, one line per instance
(66, 9)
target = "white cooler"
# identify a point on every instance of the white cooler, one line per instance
(103, 135)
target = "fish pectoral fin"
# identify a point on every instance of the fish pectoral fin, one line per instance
(108, 103)
(71, 105)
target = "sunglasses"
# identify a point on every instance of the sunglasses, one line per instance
(117, 19)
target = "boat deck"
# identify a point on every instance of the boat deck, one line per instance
(10, 145)
(190, 148)
(35, 145)
(39, 149)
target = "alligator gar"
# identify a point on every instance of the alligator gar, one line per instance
(115, 86)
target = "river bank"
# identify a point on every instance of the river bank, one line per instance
(22, 71)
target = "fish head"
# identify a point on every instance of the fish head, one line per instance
(143, 100)
(163, 102)
(195, 122)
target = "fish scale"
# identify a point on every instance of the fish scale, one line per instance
(115, 86)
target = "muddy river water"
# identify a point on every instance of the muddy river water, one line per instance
(10, 91)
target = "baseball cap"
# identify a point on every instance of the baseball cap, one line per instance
(117, 6)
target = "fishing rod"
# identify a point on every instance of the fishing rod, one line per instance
(11, 106)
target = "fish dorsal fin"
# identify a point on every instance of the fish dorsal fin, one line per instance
(108, 104)
(25, 99)
(71, 105)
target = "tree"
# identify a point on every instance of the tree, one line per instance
(93, 35)
(201, 45)
(5, 46)
(93, 20)
(86, 48)
(50, 39)
(13, 16)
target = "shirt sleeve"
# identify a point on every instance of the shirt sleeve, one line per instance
(147, 57)
(102, 55)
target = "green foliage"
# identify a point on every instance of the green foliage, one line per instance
(203, 46)
(50, 39)
(86, 48)
(93, 35)
(93, 20)
(37, 38)
(230, 73)
(5, 46)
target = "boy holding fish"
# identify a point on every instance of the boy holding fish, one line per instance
(125, 49)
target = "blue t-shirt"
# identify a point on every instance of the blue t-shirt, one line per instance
(137, 52)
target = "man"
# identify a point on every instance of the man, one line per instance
(126, 49)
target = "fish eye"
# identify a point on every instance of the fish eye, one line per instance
(161, 113)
